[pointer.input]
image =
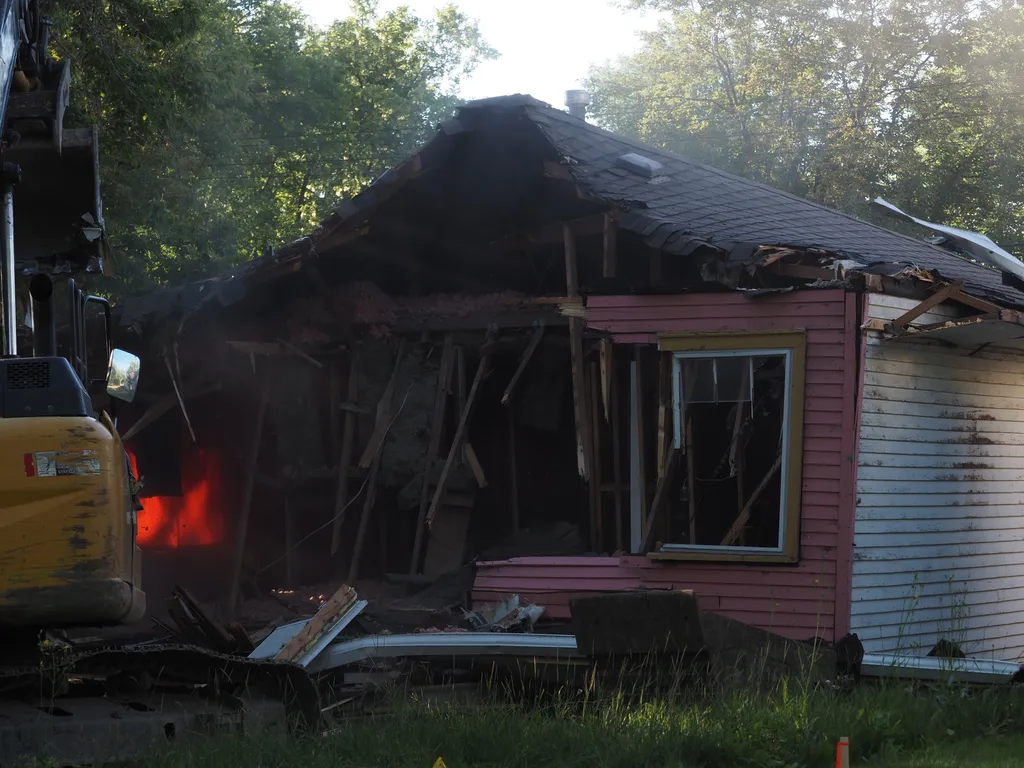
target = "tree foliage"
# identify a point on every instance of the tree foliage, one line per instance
(919, 101)
(227, 125)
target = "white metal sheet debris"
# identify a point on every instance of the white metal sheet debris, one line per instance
(938, 668)
(444, 644)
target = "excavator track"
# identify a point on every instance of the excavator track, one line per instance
(117, 704)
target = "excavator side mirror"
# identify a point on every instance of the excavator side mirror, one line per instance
(123, 375)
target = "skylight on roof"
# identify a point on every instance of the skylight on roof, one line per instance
(639, 164)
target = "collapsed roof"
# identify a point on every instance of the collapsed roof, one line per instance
(479, 172)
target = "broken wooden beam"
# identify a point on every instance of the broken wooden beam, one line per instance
(364, 519)
(523, 362)
(384, 407)
(474, 465)
(460, 434)
(597, 507)
(605, 353)
(616, 453)
(444, 382)
(250, 485)
(164, 405)
(899, 325)
(661, 495)
(744, 516)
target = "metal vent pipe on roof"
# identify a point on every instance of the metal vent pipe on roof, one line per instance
(577, 101)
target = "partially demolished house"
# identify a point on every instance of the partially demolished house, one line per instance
(589, 365)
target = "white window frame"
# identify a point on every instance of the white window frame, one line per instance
(677, 407)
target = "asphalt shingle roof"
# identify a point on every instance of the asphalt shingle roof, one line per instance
(696, 202)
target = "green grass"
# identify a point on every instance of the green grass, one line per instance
(892, 726)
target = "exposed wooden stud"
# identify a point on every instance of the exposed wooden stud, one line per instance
(384, 408)
(162, 406)
(460, 434)
(579, 391)
(610, 248)
(347, 444)
(605, 353)
(744, 516)
(597, 507)
(444, 379)
(641, 437)
(973, 302)
(300, 354)
(523, 362)
(364, 519)
(177, 393)
(474, 464)
(735, 453)
(616, 449)
(250, 485)
(899, 325)
(579, 397)
(572, 279)
(664, 408)
(661, 497)
(513, 470)
(691, 477)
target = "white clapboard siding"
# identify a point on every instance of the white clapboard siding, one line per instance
(939, 529)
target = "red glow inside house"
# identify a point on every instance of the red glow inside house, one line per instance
(192, 519)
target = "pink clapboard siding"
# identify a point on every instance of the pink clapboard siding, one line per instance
(810, 598)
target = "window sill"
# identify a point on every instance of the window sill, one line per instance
(770, 557)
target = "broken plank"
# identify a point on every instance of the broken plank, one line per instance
(384, 407)
(605, 353)
(335, 606)
(347, 440)
(641, 435)
(364, 519)
(660, 497)
(616, 453)
(579, 397)
(664, 408)
(744, 516)
(523, 362)
(250, 485)
(572, 280)
(474, 465)
(163, 405)
(460, 434)
(596, 511)
(900, 323)
(444, 379)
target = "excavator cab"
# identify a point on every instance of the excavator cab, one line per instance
(67, 497)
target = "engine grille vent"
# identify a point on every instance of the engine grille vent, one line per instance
(28, 375)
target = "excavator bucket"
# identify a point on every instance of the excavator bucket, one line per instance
(58, 220)
(58, 225)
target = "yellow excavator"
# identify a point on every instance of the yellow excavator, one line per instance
(68, 507)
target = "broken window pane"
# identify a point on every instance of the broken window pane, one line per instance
(699, 380)
(733, 385)
(731, 418)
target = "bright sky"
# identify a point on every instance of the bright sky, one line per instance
(546, 46)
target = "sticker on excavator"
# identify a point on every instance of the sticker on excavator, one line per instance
(61, 463)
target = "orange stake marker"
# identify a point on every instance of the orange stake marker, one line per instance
(843, 752)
